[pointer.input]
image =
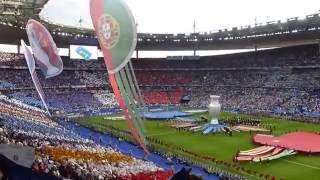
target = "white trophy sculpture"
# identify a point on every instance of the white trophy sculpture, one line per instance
(214, 109)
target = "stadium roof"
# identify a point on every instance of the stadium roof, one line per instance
(293, 31)
(17, 12)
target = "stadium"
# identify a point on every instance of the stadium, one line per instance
(108, 98)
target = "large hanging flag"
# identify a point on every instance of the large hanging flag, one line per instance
(116, 31)
(32, 69)
(44, 49)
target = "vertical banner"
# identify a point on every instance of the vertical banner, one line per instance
(32, 69)
(116, 31)
(44, 49)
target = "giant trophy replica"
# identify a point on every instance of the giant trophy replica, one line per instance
(213, 126)
(214, 109)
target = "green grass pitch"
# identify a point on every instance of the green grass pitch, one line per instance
(224, 147)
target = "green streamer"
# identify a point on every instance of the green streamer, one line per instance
(128, 104)
(135, 82)
(129, 93)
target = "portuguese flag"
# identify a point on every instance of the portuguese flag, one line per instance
(116, 31)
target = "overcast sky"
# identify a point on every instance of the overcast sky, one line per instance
(174, 16)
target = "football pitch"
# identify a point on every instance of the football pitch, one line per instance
(223, 147)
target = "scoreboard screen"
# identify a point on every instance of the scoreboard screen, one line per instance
(84, 52)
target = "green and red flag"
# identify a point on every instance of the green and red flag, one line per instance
(117, 34)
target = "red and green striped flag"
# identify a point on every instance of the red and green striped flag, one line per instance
(116, 31)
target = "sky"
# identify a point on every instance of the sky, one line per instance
(178, 16)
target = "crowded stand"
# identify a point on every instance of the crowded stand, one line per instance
(10, 59)
(77, 64)
(275, 81)
(22, 79)
(163, 78)
(70, 100)
(156, 97)
(63, 153)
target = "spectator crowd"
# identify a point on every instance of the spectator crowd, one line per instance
(280, 81)
(63, 153)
